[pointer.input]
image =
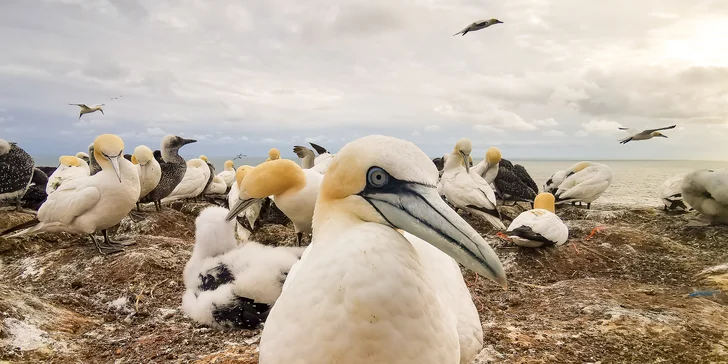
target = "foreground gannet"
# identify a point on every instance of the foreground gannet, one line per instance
(539, 226)
(173, 168)
(273, 154)
(644, 134)
(150, 173)
(87, 110)
(707, 191)
(478, 25)
(228, 173)
(293, 189)
(467, 190)
(361, 293)
(488, 167)
(307, 156)
(231, 286)
(16, 172)
(250, 214)
(86, 205)
(193, 182)
(69, 168)
(583, 182)
(671, 193)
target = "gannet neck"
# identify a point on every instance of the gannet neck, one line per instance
(453, 161)
(171, 155)
(545, 201)
(273, 178)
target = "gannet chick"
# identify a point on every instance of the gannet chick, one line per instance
(467, 190)
(86, 205)
(69, 168)
(251, 214)
(307, 156)
(584, 182)
(488, 167)
(228, 173)
(212, 172)
(644, 134)
(36, 195)
(539, 226)
(150, 173)
(193, 182)
(16, 172)
(217, 187)
(478, 25)
(173, 168)
(92, 165)
(231, 286)
(87, 110)
(158, 156)
(273, 154)
(84, 156)
(707, 191)
(671, 194)
(361, 293)
(513, 183)
(293, 189)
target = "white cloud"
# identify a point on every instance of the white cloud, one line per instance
(430, 128)
(155, 131)
(488, 129)
(601, 126)
(554, 133)
(581, 134)
(548, 122)
(415, 133)
(316, 139)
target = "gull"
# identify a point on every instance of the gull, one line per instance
(478, 25)
(87, 110)
(643, 135)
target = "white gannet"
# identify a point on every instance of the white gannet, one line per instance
(69, 168)
(193, 182)
(584, 182)
(307, 156)
(293, 189)
(98, 202)
(273, 154)
(84, 156)
(465, 189)
(644, 134)
(478, 25)
(361, 293)
(150, 173)
(539, 226)
(16, 172)
(92, 165)
(231, 286)
(251, 214)
(212, 172)
(323, 160)
(488, 167)
(552, 184)
(671, 194)
(217, 187)
(87, 110)
(173, 168)
(228, 173)
(707, 191)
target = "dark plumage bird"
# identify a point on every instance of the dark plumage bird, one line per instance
(47, 170)
(93, 166)
(36, 194)
(513, 183)
(158, 156)
(16, 172)
(127, 157)
(173, 169)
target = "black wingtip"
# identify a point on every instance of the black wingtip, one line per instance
(319, 149)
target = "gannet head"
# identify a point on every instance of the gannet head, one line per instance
(83, 156)
(546, 201)
(143, 155)
(107, 151)
(390, 181)
(658, 134)
(460, 154)
(174, 142)
(273, 154)
(494, 21)
(69, 161)
(196, 163)
(4, 147)
(268, 179)
(203, 157)
(493, 156)
(134, 159)
(229, 165)
(241, 172)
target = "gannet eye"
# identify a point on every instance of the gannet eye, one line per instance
(377, 177)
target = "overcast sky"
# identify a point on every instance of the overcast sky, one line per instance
(555, 80)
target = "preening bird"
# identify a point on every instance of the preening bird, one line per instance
(87, 110)
(69, 168)
(538, 226)
(643, 135)
(482, 24)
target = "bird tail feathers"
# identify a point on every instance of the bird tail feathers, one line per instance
(22, 229)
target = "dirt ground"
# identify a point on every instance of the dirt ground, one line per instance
(646, 287)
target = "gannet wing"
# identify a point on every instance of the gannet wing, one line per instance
(72, 199)
(663, 128)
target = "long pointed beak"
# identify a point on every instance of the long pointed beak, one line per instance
(466, 161)
(663, 135)
(115, 164)
(188, 141)
(419, 210)
(240, 206)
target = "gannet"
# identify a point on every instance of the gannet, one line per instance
(92, 165)
(707, 191)
(488, 167)
(128, 157)
(193, 182)
(84, 156)
(173, 169)
(87, 110)
(584, 182)
(273, 154)
(481, 24)
(86, 205)
(307, 156)
(150, 173)
(228, 173)
(539, 226)
(36, 195)
(513, 183)
(361, 293)
(212, 172)
(439, 163)
(643, 135)
(293, 189)
(250, 214)
(69, 168)
(671, 194)
(16, 172)
(217, 187)
(231, 286)
(158, 156)
(465, 189)
(324, 159)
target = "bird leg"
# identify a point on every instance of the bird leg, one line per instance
(588, 206)
(18, 208)
(299, 237)
(121, 243)
(105, 248)
(136, 216)
(158, 205)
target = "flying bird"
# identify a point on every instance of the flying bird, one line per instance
(240, 156)
(87, 110)
(116, 97)
(478, 25)
(643, 135)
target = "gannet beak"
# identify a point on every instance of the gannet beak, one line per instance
(240, 206)
(466, 162)
(419, 210)
(115, 163)
(663, 135)
(188, 141)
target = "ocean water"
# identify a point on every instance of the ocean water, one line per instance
(635, 184)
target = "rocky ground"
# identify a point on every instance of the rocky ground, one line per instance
(646, 287)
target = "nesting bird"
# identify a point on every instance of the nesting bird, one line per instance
(88, 110)
(69, 168)
(582, 182)
(92, 165)
(478, 25)
(173, 168)
(232, 286)
(251, 213)
(16, 172)
(707, 191)
(539, 226)
(150, 172)
(228, 173)
(671, 194)
(193, 182)
(212, 172)
(635, 135)
(513, 183)
(217, 187)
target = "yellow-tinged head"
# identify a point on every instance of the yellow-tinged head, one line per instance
(69, 161)
(460, 154)
(107, 151)
(579, 166)
(196, 163)
(272, 178)
(241, 172)
(273, 154)
(493, 155)
(134, 159)
(229, 165)
(203, 157)
(546, 201)
(142, 155)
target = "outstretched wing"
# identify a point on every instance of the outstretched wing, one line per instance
(664, 128)
(81, 105)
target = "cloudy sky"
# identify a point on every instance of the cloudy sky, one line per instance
(554, 81)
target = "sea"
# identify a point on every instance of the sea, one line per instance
(636, 183)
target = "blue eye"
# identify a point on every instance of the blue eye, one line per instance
(377, 177)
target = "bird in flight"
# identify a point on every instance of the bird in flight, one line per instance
(87, 110)
(478, 25)
(116, 97)
(643, 135)
(240, 156)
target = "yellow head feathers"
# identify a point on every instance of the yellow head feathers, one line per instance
(273, 178)
(229, 164)
(196, 163)
(134, 159)
(241, 172)
(142, 155)
(203, 157)
(493, 155)
(108, 145)
(69, 160)
(273, 154)
(579, 166)
(544, 200)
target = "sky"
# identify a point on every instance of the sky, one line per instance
(554, 81)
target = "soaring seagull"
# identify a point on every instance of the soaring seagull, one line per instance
(87, 110)
(643, 135)
(481, 24)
